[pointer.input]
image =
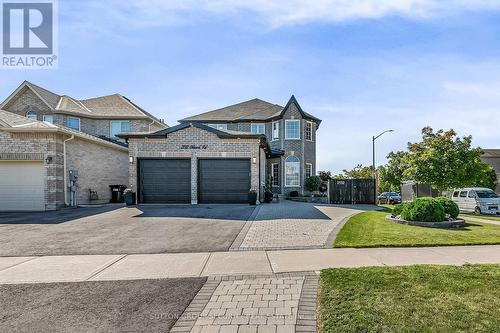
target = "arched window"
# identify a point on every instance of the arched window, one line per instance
(292, 171)
(31, 115)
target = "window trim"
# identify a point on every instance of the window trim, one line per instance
(290, 121)
(298, 171)
(116, 121)
(49, 115)
(79, 123)
(305, 130)
(216, 126)
(273, 138)
(30, 113)
(311, 165)
(276, 180)
(258, 124)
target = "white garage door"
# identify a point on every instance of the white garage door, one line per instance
(21, 186)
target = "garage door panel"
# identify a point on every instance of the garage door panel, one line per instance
(22, 186)
(224, 180)
(165, 181)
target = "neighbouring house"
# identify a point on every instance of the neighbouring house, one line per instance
(218, 156)
(44, 136)
(492, 157)
(102, 117)
(36, 156)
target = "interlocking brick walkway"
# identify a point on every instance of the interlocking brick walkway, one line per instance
(289, 225)
(255, 304)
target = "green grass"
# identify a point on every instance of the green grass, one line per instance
(485, 217)
(410, 299)
(370, 229)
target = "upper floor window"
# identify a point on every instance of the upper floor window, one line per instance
(48, 118)
(309, 170)
(308, 131)
(258, 128)
(292, 129)
(118, 126)
(218, 126)
(31, 115)
(292, 171)
(74, 123)
(276, 130)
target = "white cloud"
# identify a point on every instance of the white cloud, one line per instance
(275, 13)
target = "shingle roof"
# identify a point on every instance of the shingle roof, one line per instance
(112, 106)
(491, 152)
(12, 122)
(254, 109)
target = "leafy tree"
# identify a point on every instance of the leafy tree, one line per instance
(359, 171)
(312, 183)
(446, 161)
(325, 175)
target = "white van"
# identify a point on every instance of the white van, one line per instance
(476, 199)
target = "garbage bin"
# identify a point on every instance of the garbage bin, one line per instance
(117, 193)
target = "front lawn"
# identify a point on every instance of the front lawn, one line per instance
(410, 299)
(370, 229)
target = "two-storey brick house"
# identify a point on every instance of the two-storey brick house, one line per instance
(222, 155)
(290, 132)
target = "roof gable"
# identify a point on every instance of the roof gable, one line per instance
(251, 110)
(47, 97)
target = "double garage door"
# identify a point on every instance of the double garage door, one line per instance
(22, 186)
(169, 180)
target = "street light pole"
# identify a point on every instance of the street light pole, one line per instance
(373, 160)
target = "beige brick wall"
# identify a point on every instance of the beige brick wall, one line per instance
(37, 147)
(98, 167)
(28, 101)
(216, 147)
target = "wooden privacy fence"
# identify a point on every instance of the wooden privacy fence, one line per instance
(352, 191)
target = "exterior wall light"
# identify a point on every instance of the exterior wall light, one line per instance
(131, 159)
(48, 159)
(254, 160)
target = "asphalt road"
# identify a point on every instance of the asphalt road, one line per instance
(115, 306)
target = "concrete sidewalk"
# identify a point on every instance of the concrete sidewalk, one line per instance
(147, 266)
(479, 219)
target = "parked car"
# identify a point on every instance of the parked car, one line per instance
(391, 198)
(477, 199)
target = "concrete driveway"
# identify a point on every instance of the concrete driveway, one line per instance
(117, 230)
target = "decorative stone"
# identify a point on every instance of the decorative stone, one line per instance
(457, 223)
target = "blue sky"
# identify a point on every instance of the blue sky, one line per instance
(361, 66)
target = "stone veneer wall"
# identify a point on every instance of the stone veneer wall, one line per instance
(169, 147)
(98, 167)
(37, 147)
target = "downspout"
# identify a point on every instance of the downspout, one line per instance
(65, 173)
(149, 126)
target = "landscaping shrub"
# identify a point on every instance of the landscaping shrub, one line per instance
(397, 210)
(312, 183)
(450, 208)
(423, 210)
(294, 194)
